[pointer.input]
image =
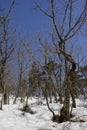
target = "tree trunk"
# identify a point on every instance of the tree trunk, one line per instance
(60, 96)
(60, 88)
(46, 97)
(65, 113)
(16, 96)
(1, 105)
(73, 100)
(5, 98)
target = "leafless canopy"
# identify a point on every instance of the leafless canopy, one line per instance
(70, 24)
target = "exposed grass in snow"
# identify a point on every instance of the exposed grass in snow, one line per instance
(12, 118)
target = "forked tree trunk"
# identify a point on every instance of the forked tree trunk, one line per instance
(65, 112)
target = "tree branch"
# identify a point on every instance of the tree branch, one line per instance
(42, 10)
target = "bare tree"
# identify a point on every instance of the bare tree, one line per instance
(22, 66)
(67, 27)
(6, 47)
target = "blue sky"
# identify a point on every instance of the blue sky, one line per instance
(30, 21)
(25, 17)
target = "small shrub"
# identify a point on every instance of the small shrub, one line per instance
(27, 109)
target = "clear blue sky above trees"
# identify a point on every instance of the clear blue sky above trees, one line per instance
(25, 16)
(28, 20)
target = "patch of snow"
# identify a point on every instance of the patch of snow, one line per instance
(11, 118)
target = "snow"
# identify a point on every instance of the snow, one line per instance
(12, 118)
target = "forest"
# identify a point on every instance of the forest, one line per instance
(45, 71)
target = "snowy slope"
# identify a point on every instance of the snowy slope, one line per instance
(11, 118)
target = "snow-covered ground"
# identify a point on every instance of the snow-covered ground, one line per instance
(11, 118)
